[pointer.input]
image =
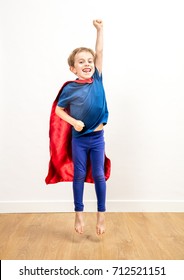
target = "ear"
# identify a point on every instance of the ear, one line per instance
(73, 70)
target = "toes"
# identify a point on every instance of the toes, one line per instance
(79, 224)
(79, 230)
(100, 231)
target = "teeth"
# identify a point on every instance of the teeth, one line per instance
(86, 70)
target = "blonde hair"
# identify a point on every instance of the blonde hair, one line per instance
(71, 58)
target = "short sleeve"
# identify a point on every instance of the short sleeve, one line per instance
(64, 98)
(96, 75)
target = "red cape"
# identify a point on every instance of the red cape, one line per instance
(61, 164)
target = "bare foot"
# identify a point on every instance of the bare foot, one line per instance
(79, 223)
(100, 226)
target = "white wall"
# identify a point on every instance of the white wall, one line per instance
(143, 77)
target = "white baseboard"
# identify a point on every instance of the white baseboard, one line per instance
(90, 206)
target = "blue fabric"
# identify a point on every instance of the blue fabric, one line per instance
(90, 145)
(86, 102)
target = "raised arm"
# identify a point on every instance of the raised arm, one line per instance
(99, 44)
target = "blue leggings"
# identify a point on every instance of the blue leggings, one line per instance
(92, 145)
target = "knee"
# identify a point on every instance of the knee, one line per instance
(99, 176)
(79, 175)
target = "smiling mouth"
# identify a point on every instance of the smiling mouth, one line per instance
(86, 70)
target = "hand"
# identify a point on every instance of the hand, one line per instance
(78, 126)
(98, 23)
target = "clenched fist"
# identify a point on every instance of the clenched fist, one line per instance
(78, 126)
(98, 23)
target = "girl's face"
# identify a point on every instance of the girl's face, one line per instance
(84, 66)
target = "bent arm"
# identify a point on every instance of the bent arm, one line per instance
(77, 124)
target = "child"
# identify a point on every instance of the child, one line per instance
(82, 104)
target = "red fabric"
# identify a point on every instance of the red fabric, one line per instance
(61, 165)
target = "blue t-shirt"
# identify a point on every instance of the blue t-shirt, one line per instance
(86, 102)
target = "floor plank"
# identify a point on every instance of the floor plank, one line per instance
(50, 236)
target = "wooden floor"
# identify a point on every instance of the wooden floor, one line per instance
(132, 236)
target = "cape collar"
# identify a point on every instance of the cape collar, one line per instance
(87, 81)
